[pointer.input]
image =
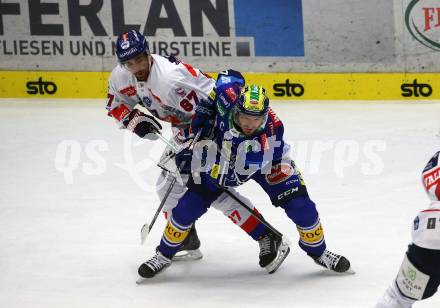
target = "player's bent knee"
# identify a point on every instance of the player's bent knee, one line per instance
(422, 264)
(190, 207)
(410, 281)
(301, 210)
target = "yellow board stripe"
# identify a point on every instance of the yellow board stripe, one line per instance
(293, 86)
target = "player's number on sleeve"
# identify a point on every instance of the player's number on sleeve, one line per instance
(186, 102)
(235, 217)
(110, 98)
(431, 223)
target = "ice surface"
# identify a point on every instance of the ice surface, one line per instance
(73, 240)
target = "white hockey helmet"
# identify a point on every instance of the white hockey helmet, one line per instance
(431, 177)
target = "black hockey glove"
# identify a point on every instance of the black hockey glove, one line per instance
(143, 125)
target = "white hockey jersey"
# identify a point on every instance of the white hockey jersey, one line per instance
(170, 92)
(426, 229)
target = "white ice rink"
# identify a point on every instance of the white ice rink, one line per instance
(71, 239)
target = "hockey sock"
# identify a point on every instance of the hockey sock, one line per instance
(190, 207)
(311, 239)
(253, 226)
(302, 212)
(173, 237)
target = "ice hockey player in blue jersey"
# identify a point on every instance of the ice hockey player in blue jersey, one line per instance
(419, 274)
(248, 144)
(169, 89)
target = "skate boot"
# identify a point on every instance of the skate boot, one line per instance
(333, 262)
(273, 251)
(190, 247)
(152, 267)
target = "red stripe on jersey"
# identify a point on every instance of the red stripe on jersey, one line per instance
(120, 112)
(264, 143)
(251, 223)
(172, 119)
(129, 91)
(190, 69)
(206, 75)
(155, 96)
(276, 121)
(432, 210)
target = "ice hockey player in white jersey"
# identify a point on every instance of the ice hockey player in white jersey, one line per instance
(419, 274)
(169, 89)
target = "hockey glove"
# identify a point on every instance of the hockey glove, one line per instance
(143, 125)
(228, 87)
(184, 156)
(203, 118)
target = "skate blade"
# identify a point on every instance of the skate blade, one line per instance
(350, 271)
(188, 255)
(283, 251)
(140, 280)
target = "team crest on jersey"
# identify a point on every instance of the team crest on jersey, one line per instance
(279, 173)
(180, 92)
(147, 101)
(276, 121)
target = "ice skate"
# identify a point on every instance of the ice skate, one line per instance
(334, 262)
(190, 248)
(152, 267)
(273, 251)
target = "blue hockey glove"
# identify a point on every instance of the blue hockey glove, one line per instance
(203, 118)
(185, 157)
(228, 86)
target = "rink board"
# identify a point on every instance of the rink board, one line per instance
(298, 86)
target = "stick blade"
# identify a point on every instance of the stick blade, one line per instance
(145, 230)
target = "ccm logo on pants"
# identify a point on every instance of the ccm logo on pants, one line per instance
(287, 193)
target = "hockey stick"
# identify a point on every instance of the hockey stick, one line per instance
(247, 208)
(238, 200)
(146, 228)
